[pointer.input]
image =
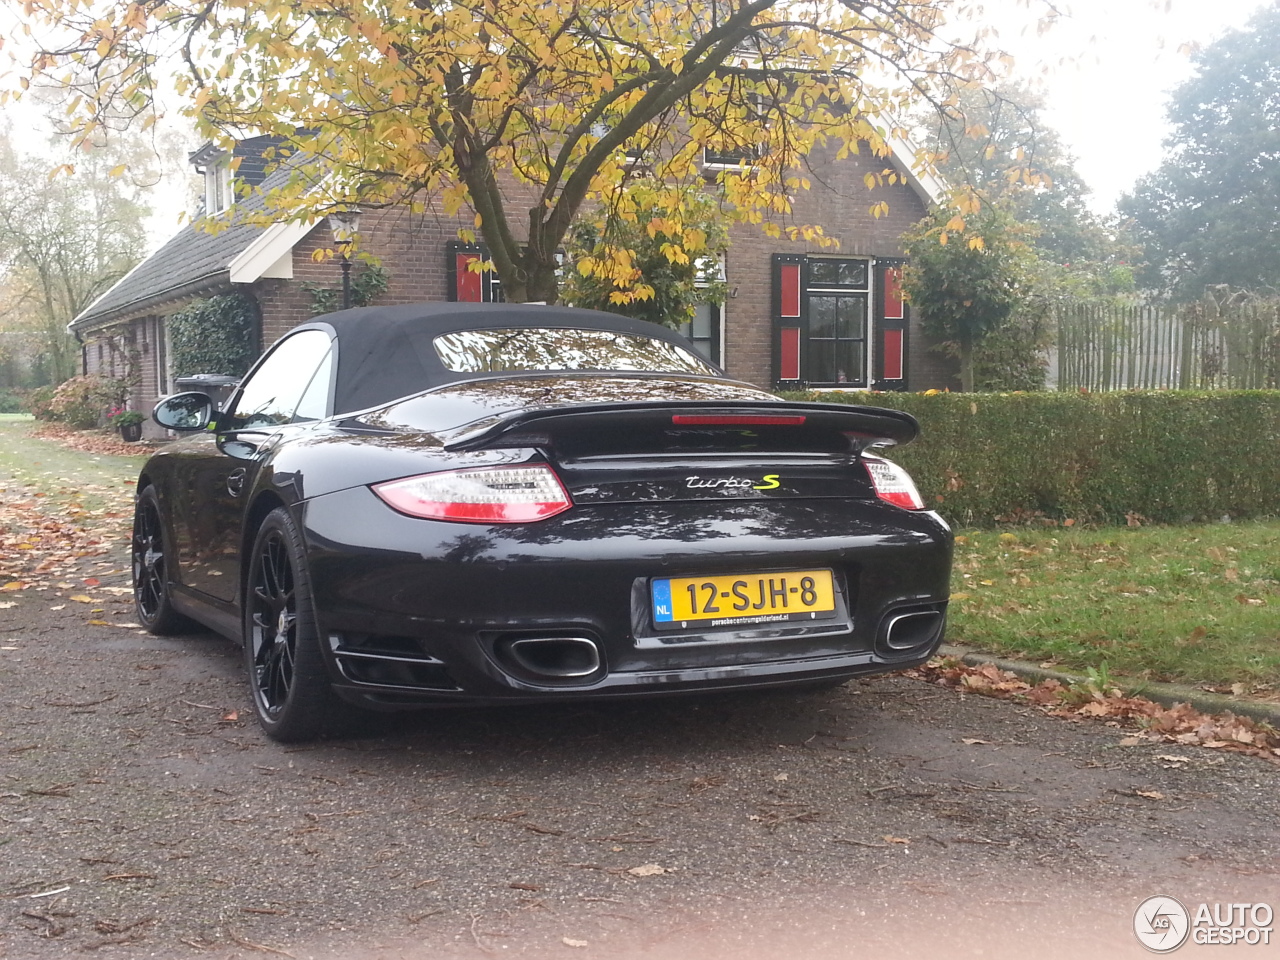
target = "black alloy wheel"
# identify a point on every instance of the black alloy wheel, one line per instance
(292, 695)
(150, 555)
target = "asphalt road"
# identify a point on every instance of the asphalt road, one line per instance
(142, 814)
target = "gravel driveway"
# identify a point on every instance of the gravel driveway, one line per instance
(143, 816)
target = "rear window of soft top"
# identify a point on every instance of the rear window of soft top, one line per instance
(563, 348)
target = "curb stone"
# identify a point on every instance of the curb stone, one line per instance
(1165, 693)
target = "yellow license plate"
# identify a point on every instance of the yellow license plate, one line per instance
(743, 598)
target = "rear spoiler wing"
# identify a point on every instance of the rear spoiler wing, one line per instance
(864, 426)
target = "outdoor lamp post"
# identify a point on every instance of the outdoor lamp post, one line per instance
(345, 225)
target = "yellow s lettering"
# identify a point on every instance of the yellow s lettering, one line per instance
(769, 482)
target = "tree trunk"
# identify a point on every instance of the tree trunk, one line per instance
(542, 285)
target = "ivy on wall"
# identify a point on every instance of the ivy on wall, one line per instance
(368, 282)
(218, 335)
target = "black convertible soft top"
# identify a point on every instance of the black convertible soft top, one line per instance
(385, 353)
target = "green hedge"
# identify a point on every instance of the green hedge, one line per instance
(1165, 457)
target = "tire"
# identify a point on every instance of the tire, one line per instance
(292, 695)
(151, 554)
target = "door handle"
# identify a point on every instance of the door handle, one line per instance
(235, 481)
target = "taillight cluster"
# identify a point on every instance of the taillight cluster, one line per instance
(893, 484)
(480, 495)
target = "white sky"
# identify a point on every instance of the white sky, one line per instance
(1107, 72)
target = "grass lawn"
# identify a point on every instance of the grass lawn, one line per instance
(92, 482)
(1187, 604)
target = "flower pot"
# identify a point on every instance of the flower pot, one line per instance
(131, 432)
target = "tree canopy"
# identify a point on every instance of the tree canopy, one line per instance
(63, 242)
(971, 268)
(664, 283)
(526, 111)
(996, 141)
(1211, 213)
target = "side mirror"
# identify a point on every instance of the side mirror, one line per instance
(184, 411)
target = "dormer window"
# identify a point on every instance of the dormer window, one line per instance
(217, 187)
(214, 164)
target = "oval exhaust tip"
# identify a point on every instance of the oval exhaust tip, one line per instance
(560, 658)
(911, 631)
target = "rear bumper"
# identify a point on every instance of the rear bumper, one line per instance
(417, 611)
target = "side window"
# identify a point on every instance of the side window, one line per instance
(273, 393)
(315, 400)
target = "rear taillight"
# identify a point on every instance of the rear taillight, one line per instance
(893, 484)
(480, 495)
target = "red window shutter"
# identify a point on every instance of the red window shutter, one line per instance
(790, 277)
(893, 293)
(893, 354)
(469, 290)
(789, 353)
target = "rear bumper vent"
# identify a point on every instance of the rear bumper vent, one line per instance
(910, 633)
(387, 661)
(556, 661)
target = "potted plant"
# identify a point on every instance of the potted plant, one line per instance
(128, 422)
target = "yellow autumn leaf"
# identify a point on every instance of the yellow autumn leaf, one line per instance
(81, 598)
(117, 170)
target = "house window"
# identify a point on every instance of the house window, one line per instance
(704, 331)
(218, 192)
(839, 322)
(214, 164)
(729, 159)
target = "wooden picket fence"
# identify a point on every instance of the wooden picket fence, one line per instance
(1222, 342)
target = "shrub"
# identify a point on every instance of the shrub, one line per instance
(83, 402)
(12, 401)
(37, 401)
(1125, 457)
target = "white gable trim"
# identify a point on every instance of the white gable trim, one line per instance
(928, 186)
(270, 255)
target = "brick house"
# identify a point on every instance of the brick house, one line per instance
(796, 314)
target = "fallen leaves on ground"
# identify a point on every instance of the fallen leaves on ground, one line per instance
(91, 441)
(1180, 723)
(44, 544)
(37, 545)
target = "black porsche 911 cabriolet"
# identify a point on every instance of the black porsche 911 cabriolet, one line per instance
(434, 503)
